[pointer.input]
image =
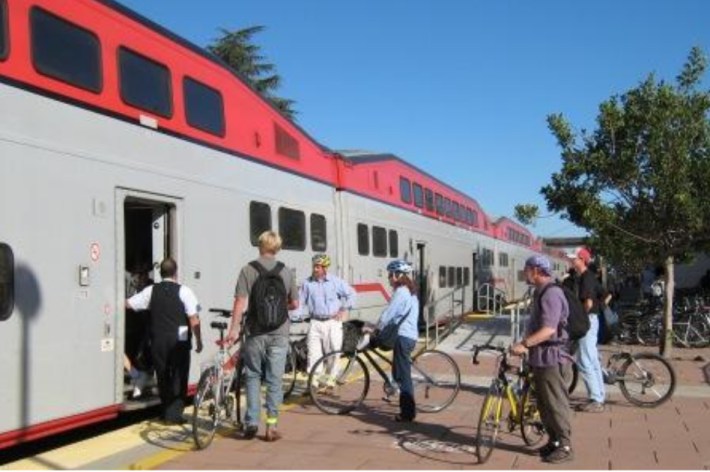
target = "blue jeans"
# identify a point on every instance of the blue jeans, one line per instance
(264, 354)
(402, 374)
(588, 362)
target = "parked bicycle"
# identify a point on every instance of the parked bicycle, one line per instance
(511, 384)
(645, 379)
(435, 377)
(218, 388)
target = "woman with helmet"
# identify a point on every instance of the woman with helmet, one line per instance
(403, 306)
(327, 298)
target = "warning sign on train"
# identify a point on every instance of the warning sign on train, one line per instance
(95, 252)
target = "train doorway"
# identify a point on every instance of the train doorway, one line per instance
(474, 282)
(422, 283)
(147, 235)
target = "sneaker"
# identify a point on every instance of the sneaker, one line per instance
(545, 450)
(250, 431)
(272, 434)
(592, 407)
(559, 455)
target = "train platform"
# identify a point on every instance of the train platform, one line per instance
(672, 436)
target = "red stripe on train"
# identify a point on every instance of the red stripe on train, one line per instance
(373, 287)
(30, 433)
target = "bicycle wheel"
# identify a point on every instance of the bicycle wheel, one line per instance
(698, 333)
(289, 377)
(346, 391)
(436, 380)
(646, 379)
(489, 424)
(531, 427)
(206, 412)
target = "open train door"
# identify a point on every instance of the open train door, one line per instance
(146, 234)
(474, 282)
(422, 283)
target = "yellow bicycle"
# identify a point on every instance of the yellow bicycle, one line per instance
(519, 393)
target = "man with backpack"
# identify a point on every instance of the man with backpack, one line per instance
(266, 290)
(588, 354)
(545, 342)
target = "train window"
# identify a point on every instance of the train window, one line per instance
(418, 195)
(429, 199)
(442, 276)
(447, 206)
(292, 228)
(452, 276)
(286, 145)
(65, 51)
(474, 217)
(394, 243)
(7, 281)
(4, 43)
(144, 83)
(363, 240)
(405, 190)
(456, 211)
(204, 107)
(459, 276)
(319, 241)
(379, 241)
(503, 259)
(439, 201)
(259, 220)
(466, 276)
(487, 257)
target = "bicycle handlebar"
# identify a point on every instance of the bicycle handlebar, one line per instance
(487, 347)
(221, 312)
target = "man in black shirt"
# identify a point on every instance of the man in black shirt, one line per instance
(588, 354)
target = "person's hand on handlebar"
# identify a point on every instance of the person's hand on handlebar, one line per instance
(231, 338)
(518, 349)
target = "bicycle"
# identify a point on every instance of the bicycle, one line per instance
(519, 393)
(645, 379)
(217, 393)
(435, 377)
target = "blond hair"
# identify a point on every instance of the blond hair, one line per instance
(269, 242)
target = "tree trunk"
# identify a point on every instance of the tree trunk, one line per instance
(666, 344)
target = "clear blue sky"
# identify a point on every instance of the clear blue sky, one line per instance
(459, 88)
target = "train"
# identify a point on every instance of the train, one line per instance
(121, 143)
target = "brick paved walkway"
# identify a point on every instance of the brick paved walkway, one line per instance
(673, 436)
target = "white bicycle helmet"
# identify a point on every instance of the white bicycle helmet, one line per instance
(400, 267)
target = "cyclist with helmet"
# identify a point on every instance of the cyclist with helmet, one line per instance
(327, 298)
(403, 304)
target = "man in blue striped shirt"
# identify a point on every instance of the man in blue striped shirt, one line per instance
(328, 298)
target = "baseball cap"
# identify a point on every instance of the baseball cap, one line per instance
(541, 262)
(582, 253)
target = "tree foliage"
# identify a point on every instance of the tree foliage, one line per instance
(237, 49)
(640, 182)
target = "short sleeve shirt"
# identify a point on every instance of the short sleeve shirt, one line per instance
(248, 276)
(589, 287)
(141, 300)
(551, 311)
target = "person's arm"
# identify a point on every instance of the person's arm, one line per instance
(539, 336)
(346, 294)
(196, 331)
(238, 309)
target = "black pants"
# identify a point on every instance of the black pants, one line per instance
(553, 401)
(171, 359)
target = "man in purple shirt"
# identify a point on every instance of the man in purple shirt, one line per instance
(545, 343)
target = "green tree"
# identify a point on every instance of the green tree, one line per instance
(640, 182)
(237, 49)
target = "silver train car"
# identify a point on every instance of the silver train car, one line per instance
(121, 144)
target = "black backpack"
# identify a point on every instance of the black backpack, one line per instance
(268, 308)
(578, 320)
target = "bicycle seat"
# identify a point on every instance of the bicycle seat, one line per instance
(218, 325)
